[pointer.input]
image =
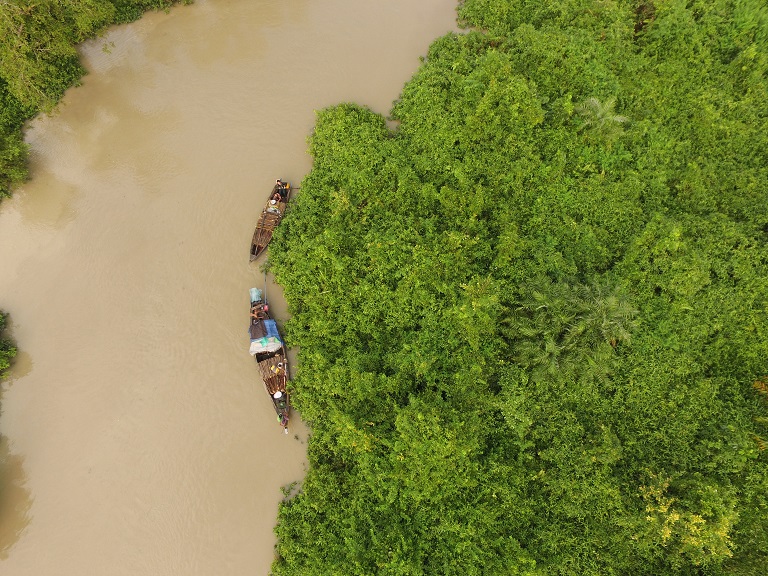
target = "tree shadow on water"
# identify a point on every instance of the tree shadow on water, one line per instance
(15, 498)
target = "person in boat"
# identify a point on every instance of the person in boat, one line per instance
(280, 188)
(277, 370)
(274, 202)
(259, 312)
(280, 400)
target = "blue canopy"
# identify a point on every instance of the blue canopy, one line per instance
(271, 342)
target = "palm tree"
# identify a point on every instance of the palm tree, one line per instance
(600, 119)
(604, 315)
(557, 328)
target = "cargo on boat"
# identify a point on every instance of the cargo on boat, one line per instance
(268, 349)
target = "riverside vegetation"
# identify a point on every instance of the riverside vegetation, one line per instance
(7, 349)
(39, 61)
(533, 318)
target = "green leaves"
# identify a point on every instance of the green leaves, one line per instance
(39, 62)
(697, 528)
(7, 349)
(38, 59)
(529, 330)
(600, 120)
(13, 156)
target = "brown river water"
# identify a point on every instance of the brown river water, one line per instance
(139, 438)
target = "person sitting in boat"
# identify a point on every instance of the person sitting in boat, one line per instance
(259, 312)
(280, 188)
(280, 397)
(278, 370)
(274, 202)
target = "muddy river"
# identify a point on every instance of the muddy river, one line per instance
(139, 437)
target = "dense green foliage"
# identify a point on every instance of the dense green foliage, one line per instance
(7, 349)
(39, 61)
(533, 319)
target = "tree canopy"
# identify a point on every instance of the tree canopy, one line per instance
(533, 317)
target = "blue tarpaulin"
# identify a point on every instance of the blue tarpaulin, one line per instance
(269, 343)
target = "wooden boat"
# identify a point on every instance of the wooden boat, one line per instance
(270, 217)
(269, 351)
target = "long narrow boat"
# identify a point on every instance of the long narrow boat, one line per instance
(270, 217)
(269, 351)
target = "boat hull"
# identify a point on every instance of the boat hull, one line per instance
(270, 217)
(268, 350)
